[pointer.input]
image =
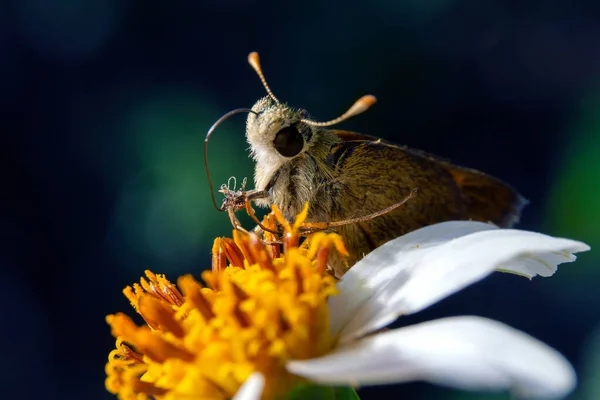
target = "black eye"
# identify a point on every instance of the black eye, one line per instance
(288, 141)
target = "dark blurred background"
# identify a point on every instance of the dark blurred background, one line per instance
(105, 104)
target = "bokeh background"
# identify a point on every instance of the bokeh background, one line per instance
(105, 103)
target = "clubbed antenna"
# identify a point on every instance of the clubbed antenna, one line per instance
(254, 62)
(361, 105)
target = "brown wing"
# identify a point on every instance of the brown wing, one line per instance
(487, 198)
(372, 175)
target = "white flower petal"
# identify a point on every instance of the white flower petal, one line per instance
(251, 389)
(542, 264)
(434, 262)
(463, 352)
(386, 262)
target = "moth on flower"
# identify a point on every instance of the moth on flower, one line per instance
(266, 321)
(350, 178)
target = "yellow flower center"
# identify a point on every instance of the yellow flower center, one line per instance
(255, 314)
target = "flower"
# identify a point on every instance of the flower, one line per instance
(252, 316)
(416, 270)
(266, 322)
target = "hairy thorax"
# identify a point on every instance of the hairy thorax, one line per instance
(296, 182)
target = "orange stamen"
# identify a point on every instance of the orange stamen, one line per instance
(153, 346)
(193, 294)
(162, 318)
(219, 259)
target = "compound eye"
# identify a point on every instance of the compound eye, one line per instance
(288, 141)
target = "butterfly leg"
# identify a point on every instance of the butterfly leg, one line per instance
(248, 205)
(311, 227)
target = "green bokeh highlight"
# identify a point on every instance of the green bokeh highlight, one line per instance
(573, 211)
(574, 199)
(165, 209)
